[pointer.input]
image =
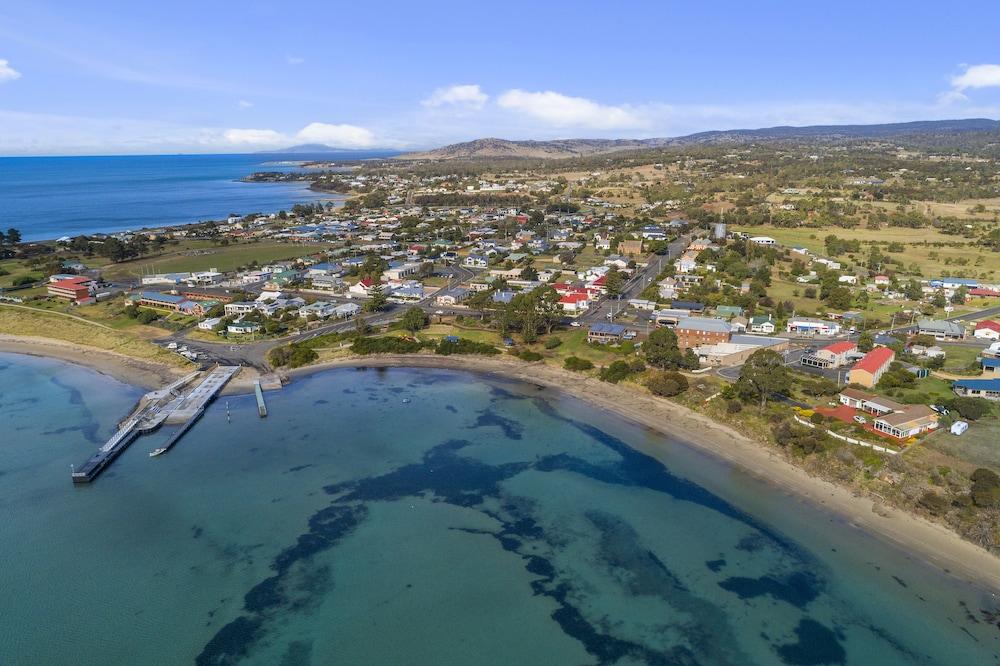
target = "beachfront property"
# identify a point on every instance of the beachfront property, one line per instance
(988, 389)
(238, 308)
(870, 369)
(77, 289)
(243, 327)
(319, 309)
(891, 418)
(831, 356)
(941, 329)
(697, 331)
(603, 334)
(209, 324)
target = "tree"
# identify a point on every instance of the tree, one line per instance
(939, 300)
(614, 282)
(839, 298)
(763, 376)
(378, 300)
(661, 350)
(13, 236)
(985, 487)
(414, 319)
(866, 342)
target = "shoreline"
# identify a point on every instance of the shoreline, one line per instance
(926, 540)
(931, 542)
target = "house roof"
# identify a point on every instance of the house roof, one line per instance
(573, 298)
(988, 324)
(875, 360)
(610, 329)
(839, 347)
(991, 363)
(704, 324)
(979, 384)
(909, 415)
(940, 326)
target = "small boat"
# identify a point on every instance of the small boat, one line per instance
(156, 452)
(405, 400)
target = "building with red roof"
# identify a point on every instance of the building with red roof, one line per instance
(870, 369)
(833, 355)
(575, 302)
(77, 289)
(987, 330)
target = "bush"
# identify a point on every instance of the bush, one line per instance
(293, 355)
(615, 372)
(528, 355)
(734, 406)
(552, 343)
(798, 438)
(985, 488)
(147, 316)
(933, 502)
(970, 408)
(667, 384)
(817, 418)
(577, 364)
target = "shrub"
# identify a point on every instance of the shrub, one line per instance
(798, 438)
(552, 343)
(577, 364)
(615, 372)
(985, 488)
(386, 345)
(667, 384)
(734, 406)
(970, 408)
(933, 502)
(147, 317)
(293, 355)
(528, 355)
(816, 418)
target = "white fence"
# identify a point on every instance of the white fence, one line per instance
(849, 440)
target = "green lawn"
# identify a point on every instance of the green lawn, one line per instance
(202, 255)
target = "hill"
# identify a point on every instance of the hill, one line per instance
(919, 133)
(307, 148)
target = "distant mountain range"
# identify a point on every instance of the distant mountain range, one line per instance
(563, 148)
(307, 148)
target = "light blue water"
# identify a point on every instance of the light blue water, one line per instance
(50, 197)
(479, 522)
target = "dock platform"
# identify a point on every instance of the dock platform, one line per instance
(167, 405)
(261, 407)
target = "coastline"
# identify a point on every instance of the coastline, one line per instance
(914, 534)
(148, 375)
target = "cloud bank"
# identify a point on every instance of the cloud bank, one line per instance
(464, 95)
(8, 73)
(561, 110)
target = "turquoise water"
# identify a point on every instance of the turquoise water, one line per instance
(49, 197)
(431, 517)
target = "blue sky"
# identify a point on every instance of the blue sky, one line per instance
(125, 77)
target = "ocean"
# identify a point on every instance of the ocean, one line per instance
(51, 197)
(416, 516)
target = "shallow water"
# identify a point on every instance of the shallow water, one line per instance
(482, 521)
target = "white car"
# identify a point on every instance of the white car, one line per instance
(860, 419)
(575, 324)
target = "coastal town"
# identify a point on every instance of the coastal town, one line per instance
(582, 270)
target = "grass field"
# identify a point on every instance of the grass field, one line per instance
(17, 321)
(918, 248)
(202, 255)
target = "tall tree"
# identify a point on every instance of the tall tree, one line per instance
(763, 376)
(13, 236)
(378, 300)
(661, 350)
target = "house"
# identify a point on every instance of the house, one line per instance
(870, 369)
(831, 356)
(977, 388)
(690, 306)
(575, 302)
(953, 283)
(401, 271)
(243, 327)
(810, 326)
(738, 349)
(209, 324)
(642, 304)
(990, 367)
(987, 330)
(328, 282)
(882, 280)
(504, 297)
(728, 311)
(762, 324)
(941, 329)
(668, 317)
(165, 278)
(763, 240)
(346, 310)
(848, 279)
(362, 288)
(319, 309)
(476, 261)
(891, 418)
(697, 331)
(239, 308)
(77, 289)
(454, 297)
(605, 333)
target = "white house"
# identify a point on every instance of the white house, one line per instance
(209, 324)
(362, 287)
(239, 308)
(763, 240)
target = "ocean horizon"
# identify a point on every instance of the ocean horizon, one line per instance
(50, 197)
(432, 516)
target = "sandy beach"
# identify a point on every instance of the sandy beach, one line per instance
(144, 374)
(914, 534)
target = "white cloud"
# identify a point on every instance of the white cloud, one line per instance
(294, 60)
(253, 137)
(338, 136)
(977, 76)
(465, 95)
(244, 104)
(8, 73)
(565, 111)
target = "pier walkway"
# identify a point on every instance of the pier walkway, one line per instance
(166, 405)
(261, 407)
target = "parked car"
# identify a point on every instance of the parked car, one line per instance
(940, 410)
(575, 324)
(860, 419)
